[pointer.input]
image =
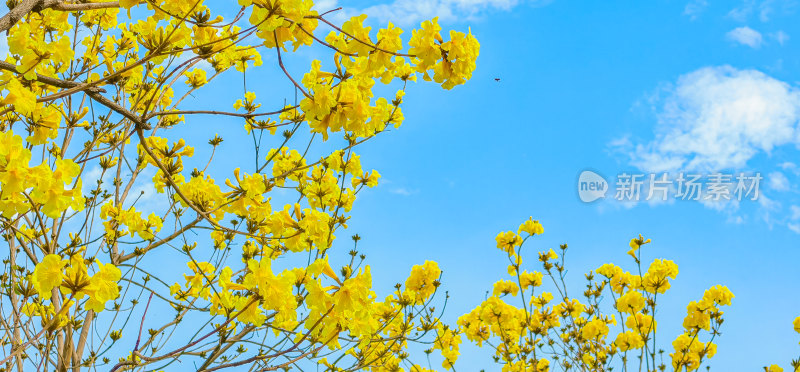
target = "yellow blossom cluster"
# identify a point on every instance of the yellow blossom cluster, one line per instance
(117, 220)
(39, 188)
(71, 277)
(573, 334)
(96, 111)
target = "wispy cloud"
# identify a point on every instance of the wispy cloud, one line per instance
(143, 191)
(746, 36)
(694, 8)
(410, 12)
(743, 11)
(787, 165)
(764, 9)
(795, 215)
(780, 36)
(778, 181)
(403, 191)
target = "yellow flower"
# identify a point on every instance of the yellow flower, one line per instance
(549, 255)
(543, 365)
(655, 280)
(505, 287)
(321, 266)
(225, 281)
(530, 279)
(542, 300)
(507, 241)
(718, 294)
(423, 280)
(641, 323)
(127, 4)
(637, 243)
(631, 302)
(629, 340)
(447, 340)
(103, 287)
(595, 328)
(47, 275)
(609, 270)
(532, 227)
(698, 316)
(369, 179)
(196, 77)
(24, 100)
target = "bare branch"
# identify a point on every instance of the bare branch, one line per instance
(60, 5)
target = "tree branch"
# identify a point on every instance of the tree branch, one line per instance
(92, 91)
(60, 5)
(65, 84)
(14, 15)
(26, 6)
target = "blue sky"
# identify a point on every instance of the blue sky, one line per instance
(673, 86)
(602, 85)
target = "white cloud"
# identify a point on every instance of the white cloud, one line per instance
(411, 12)
(403, 191)
(738, 220)
(728, 206)
(746, 36)
(325, 5)
(765, 9)
(780, 36)
(778, 181)
(694, 8)
(748, 7)
(620, 142)
(795, 215)
(787, 165)
(742, 12)
(143, 191)
(718, 118)
(769, 207)
(767, 203)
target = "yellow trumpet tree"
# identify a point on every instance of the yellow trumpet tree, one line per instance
(93, 93)
(96, 97)
(533, 323)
